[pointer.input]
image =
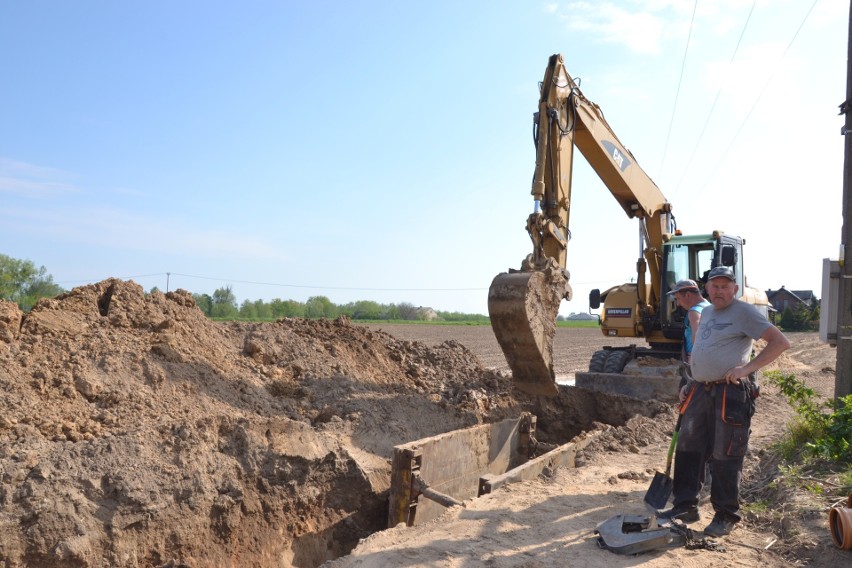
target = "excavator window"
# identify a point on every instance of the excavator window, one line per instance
(704, 263)
(692, 260)
(729, 255)
(688, 261)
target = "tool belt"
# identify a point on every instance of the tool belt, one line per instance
(748, 384)
(739, 402)
(738, 399)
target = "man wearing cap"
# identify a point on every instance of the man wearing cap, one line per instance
(688, 296)
(719, 404)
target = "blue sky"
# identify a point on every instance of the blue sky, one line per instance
(383, 150)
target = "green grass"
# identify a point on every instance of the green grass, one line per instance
(759, 507)
(844, 478)
(424, 322)
(799, 433)
(568, 324)
(578, 323)
(480, 322)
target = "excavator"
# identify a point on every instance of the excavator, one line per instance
(523, 303)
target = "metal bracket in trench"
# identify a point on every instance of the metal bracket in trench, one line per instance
(420, 487)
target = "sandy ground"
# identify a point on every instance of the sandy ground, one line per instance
(551, 521)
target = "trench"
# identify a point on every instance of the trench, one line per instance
(573, 414)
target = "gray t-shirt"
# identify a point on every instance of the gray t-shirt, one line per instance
(724, 339)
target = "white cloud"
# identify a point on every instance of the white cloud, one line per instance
(33, 188)
(827, 12)
(29, 180)
(124, 230)
(647, 26)
(130, 192)
(745, 78)
(640, 31)
(77, 220)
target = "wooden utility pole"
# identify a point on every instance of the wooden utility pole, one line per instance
(843, 372)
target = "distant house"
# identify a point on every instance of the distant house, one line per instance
(582, 316)
(427, 314)
(783, 298)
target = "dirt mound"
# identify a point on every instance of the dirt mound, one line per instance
(136, 432)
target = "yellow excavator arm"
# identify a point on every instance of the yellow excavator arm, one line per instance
(523, 304)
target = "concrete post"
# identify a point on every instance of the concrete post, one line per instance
(843, 376)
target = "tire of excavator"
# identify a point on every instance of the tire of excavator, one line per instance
(598, 362)
(616, 361)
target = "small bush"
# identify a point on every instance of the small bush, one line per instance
(802, 318)
(824, 429)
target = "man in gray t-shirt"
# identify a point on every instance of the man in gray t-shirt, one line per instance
(719, 403)
(724, 339)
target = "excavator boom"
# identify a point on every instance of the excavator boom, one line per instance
(523, 304)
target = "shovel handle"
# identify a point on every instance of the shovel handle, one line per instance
(672, 445)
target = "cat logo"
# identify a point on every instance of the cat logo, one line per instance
(620, 159)
(619, 312)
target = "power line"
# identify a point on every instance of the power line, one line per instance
(305, 286)
(757, 100)
(679, 82)
(280, 285)
(363, 289)
(715, 100)
(90, 280)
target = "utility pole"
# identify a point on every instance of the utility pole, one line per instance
(843, 371)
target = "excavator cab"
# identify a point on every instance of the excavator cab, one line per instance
(683, 257)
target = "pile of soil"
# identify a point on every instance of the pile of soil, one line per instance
(136, 432)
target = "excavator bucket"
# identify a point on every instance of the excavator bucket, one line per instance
(523, 307)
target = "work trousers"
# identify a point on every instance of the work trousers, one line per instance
(716, 424)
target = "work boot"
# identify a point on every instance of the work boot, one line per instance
(681, 513)
(722, 525)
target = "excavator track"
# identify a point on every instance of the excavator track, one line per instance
(523, 306)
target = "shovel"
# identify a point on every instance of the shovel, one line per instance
(661, 486)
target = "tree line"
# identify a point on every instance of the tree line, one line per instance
(803, 317)
(22, 282)
(222, 304)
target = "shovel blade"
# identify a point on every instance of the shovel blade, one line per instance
(660, 490)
